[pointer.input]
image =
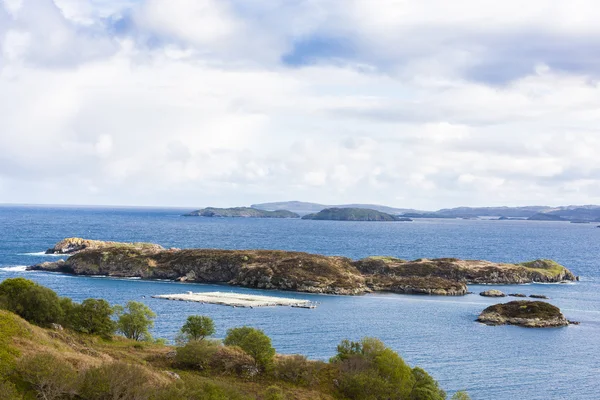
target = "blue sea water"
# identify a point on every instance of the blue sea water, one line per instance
(436, 333)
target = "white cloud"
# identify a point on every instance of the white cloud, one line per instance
(193, 105)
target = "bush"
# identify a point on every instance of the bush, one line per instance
(8, 391)
(297, 369)
(425, 387)
(135, 320)
(196, 389)
(93, 316)
(233, 360)
(116, 380)
(274, 393)
(254, 342)
(32, 302)
(462, 395)
(196, 354)
(49, 376)
(369, 370)
(197, 327)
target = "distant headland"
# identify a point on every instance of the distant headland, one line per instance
(576, 214)
(294, 271)
(241, 212)
(353, 214)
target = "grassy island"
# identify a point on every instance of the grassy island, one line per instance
(529, 314)
(302, 272)
(353, 214)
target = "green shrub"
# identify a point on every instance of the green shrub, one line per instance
(49, 376)
(254, 342)
(369, 370)
(8, 391)
(92, 316)
(116, 380)
(233, 360)
(425, 387)
(34, 303)
(462, 395)
(196, 354)
(274, 393)
(197, 327)
(135, 320)
(297, 369)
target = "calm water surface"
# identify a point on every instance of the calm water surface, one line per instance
(436, 333)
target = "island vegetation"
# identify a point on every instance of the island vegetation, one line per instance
(241, 212)
(304, 272)
(529, 314)
(353, 214)
(59, 352)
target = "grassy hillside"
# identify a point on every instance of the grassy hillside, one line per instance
(54, 361)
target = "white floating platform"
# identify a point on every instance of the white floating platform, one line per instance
(237, 299)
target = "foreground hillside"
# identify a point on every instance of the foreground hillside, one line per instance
(302, 272)
(73, 352)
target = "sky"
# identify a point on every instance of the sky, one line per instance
(410, 103)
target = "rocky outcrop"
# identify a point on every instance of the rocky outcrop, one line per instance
(538, 296)
(529, 314)
(492, 293)
(296, 271)
(517, 295)
(74, 245)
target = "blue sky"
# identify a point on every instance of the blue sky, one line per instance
(423, 104)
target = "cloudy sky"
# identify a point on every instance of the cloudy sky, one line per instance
(410, 103)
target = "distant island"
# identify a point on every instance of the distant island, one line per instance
(353, 214)
(297, 271)
(578, 214)
(303, 208)
(241, 212)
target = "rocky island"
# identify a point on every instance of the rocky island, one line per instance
(241, 212)
(301, 272)
(529, 314)
(74, 245)
(353, 214)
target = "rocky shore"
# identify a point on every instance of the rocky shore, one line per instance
(529, 314)
(296, 271)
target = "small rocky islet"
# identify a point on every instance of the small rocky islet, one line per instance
(529, 314)
(294, 271)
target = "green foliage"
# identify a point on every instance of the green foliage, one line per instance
(35, 303)
(233, 360)
(92, 316)
(425, 388)
(135, 320)
(196, 354)
(274, 393)
(369, 370)
(197, 327)
(462, 395)
(8, 391)
(49, 376)
(297, 369)
(116, 380)
(9, 328)
(196, 389)
(254, 342)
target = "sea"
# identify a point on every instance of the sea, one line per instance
(436, 333)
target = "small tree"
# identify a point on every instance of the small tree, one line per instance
(93, 316)
(197, 327)
(135, 320)
(462, 395)
(254, 342)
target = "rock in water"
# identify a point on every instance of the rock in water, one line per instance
(529, 314)
(538, 296)
(517, 295)
(492, 293)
